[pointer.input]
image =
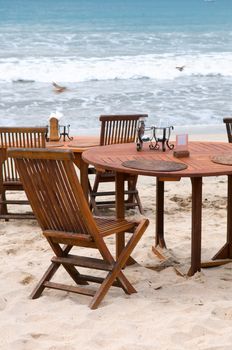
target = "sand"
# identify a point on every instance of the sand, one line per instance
(169, 311)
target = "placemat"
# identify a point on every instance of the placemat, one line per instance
(154, 165)
(225, 159)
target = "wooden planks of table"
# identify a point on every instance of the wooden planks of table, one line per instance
(199, 164)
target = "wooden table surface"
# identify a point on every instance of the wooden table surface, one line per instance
(199, 164)
(78, 145)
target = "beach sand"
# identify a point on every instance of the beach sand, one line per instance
(169, 311)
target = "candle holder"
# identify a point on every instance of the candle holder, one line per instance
(64, 132)
(162, 135)
(154, 135)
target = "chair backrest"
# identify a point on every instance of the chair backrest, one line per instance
(53, 190)
(20, 137)
(119, 128)
(228, 122)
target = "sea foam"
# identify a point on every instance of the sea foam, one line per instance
(151, 66)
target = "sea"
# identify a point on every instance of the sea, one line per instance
(171, 59)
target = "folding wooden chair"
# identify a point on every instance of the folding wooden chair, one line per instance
(116, 129)
(9, 179)
(228, 122)
(53, 189)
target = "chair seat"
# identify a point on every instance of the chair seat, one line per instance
(106, 226)
(109, 226)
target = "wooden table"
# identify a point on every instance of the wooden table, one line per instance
(199, 165)
(78, 145)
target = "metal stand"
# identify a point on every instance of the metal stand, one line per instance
(159, 135)
(65, 132)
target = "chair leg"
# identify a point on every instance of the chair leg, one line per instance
(131, 187)
(48, 275)
(72, 271)
(38, 290)
(125, 284)
(90, 190)
(119, 264)
(3, 206)
(134, 198)
(139, 203)
(74, 274)
(93, 203)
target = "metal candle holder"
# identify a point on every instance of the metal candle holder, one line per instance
(157, 135)
(64, 131)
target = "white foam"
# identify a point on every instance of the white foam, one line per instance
(72, 69)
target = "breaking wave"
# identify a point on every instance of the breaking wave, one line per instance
(151, 66)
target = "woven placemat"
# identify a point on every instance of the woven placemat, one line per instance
(224, 159)
(154, 165)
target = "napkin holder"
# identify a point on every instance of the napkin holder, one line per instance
(54, 129)
(181, 147)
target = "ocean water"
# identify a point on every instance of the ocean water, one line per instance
(115, 56)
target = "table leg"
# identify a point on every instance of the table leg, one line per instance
(226, 251)
(159, 235)
(159, 241)
(120, 210)
(196, 225)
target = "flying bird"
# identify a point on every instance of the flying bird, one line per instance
(180, 68)
(58, 88)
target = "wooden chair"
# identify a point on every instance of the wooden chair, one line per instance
(9, 178)
(53, 189)
(116, 129)
(228, 122)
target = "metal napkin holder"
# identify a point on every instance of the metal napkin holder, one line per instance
(158, 135)
(64, 132)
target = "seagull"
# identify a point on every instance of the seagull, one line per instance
(180, 68)
(58, 88)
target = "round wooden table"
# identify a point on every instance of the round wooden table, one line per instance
(199, 164)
